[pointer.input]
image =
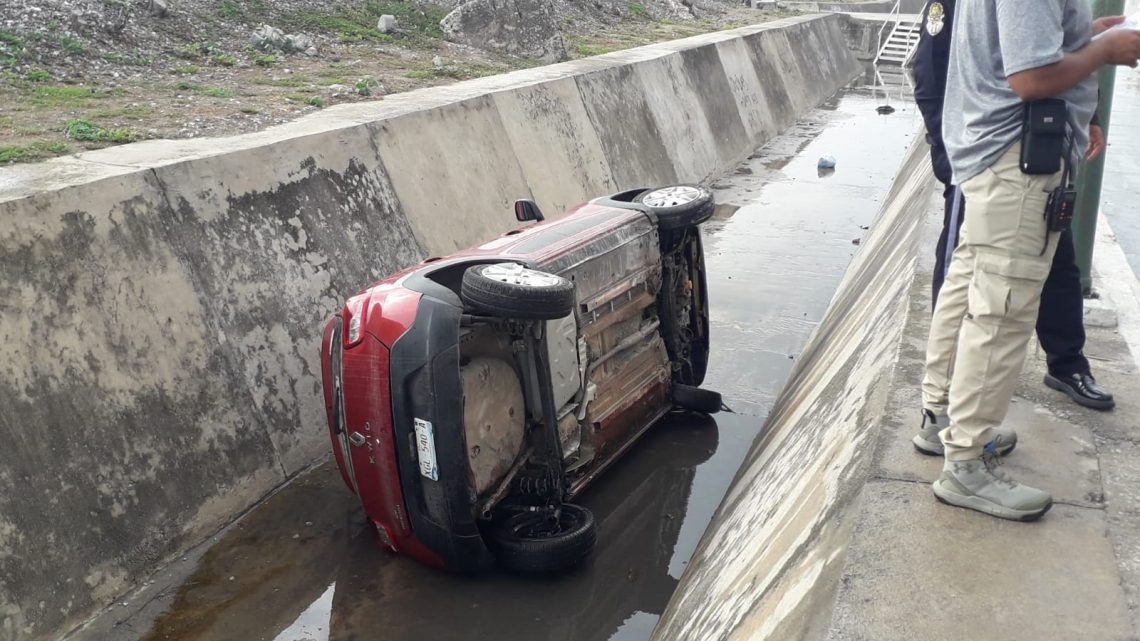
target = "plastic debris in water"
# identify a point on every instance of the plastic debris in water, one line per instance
(885, 109)
(826, 162)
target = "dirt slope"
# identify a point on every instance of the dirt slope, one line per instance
(81, 74)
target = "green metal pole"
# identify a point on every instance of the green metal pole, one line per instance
(1092, 175)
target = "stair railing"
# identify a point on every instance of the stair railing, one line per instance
(895, 13)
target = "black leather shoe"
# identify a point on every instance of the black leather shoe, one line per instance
(1082, 388)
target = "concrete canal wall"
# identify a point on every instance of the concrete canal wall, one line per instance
(769, 565)
(161, 303)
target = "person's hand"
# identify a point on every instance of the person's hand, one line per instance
(1100, 25)
(1096, 142)
(1122, 47)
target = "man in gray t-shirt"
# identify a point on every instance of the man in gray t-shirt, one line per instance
(1005, 53)
(982, 113)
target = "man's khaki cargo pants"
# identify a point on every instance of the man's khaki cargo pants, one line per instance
(988, 305)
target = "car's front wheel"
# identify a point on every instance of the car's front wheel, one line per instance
(510, 290)
(679, 207)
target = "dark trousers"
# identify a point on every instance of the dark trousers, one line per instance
(1060, 323)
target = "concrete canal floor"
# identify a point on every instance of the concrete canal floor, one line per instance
(304, 566)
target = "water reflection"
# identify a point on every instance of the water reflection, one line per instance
(775, 261)
(271, 576)
(640, 506)
(310, 551)
(313, 624)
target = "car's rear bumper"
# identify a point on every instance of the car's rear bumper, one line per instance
(383, 390)
(425, 386)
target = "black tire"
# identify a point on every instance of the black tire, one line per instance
(697, 399)
(701, 346)
(679, 206)
(517, 298)
(537, 542)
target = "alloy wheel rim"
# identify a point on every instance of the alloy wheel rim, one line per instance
(672, 196)
(516, 274)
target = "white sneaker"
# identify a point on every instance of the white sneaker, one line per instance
(928, 442)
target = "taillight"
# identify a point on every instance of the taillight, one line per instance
(355, 311)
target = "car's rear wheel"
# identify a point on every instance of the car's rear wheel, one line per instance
(511, 290)
(684, 310)
(546, 540)
(679, 206)
(697, 399)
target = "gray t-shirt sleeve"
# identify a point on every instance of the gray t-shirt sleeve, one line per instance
(1030, 33)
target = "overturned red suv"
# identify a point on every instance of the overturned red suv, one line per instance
(471, 397)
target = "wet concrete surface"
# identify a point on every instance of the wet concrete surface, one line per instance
(304, 566)
(1122, 164)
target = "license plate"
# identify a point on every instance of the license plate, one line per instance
(425, 447)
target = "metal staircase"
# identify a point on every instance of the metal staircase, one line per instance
(900, 45)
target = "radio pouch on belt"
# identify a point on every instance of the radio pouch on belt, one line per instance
(1059, 208)
(1043, 136)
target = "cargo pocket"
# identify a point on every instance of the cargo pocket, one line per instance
(1006, 288)
(1032, 231)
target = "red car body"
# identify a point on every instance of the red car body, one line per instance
(392, 370)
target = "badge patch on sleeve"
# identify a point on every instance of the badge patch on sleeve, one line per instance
(935, 18)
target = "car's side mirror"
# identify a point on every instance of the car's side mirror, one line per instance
(527, 210)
